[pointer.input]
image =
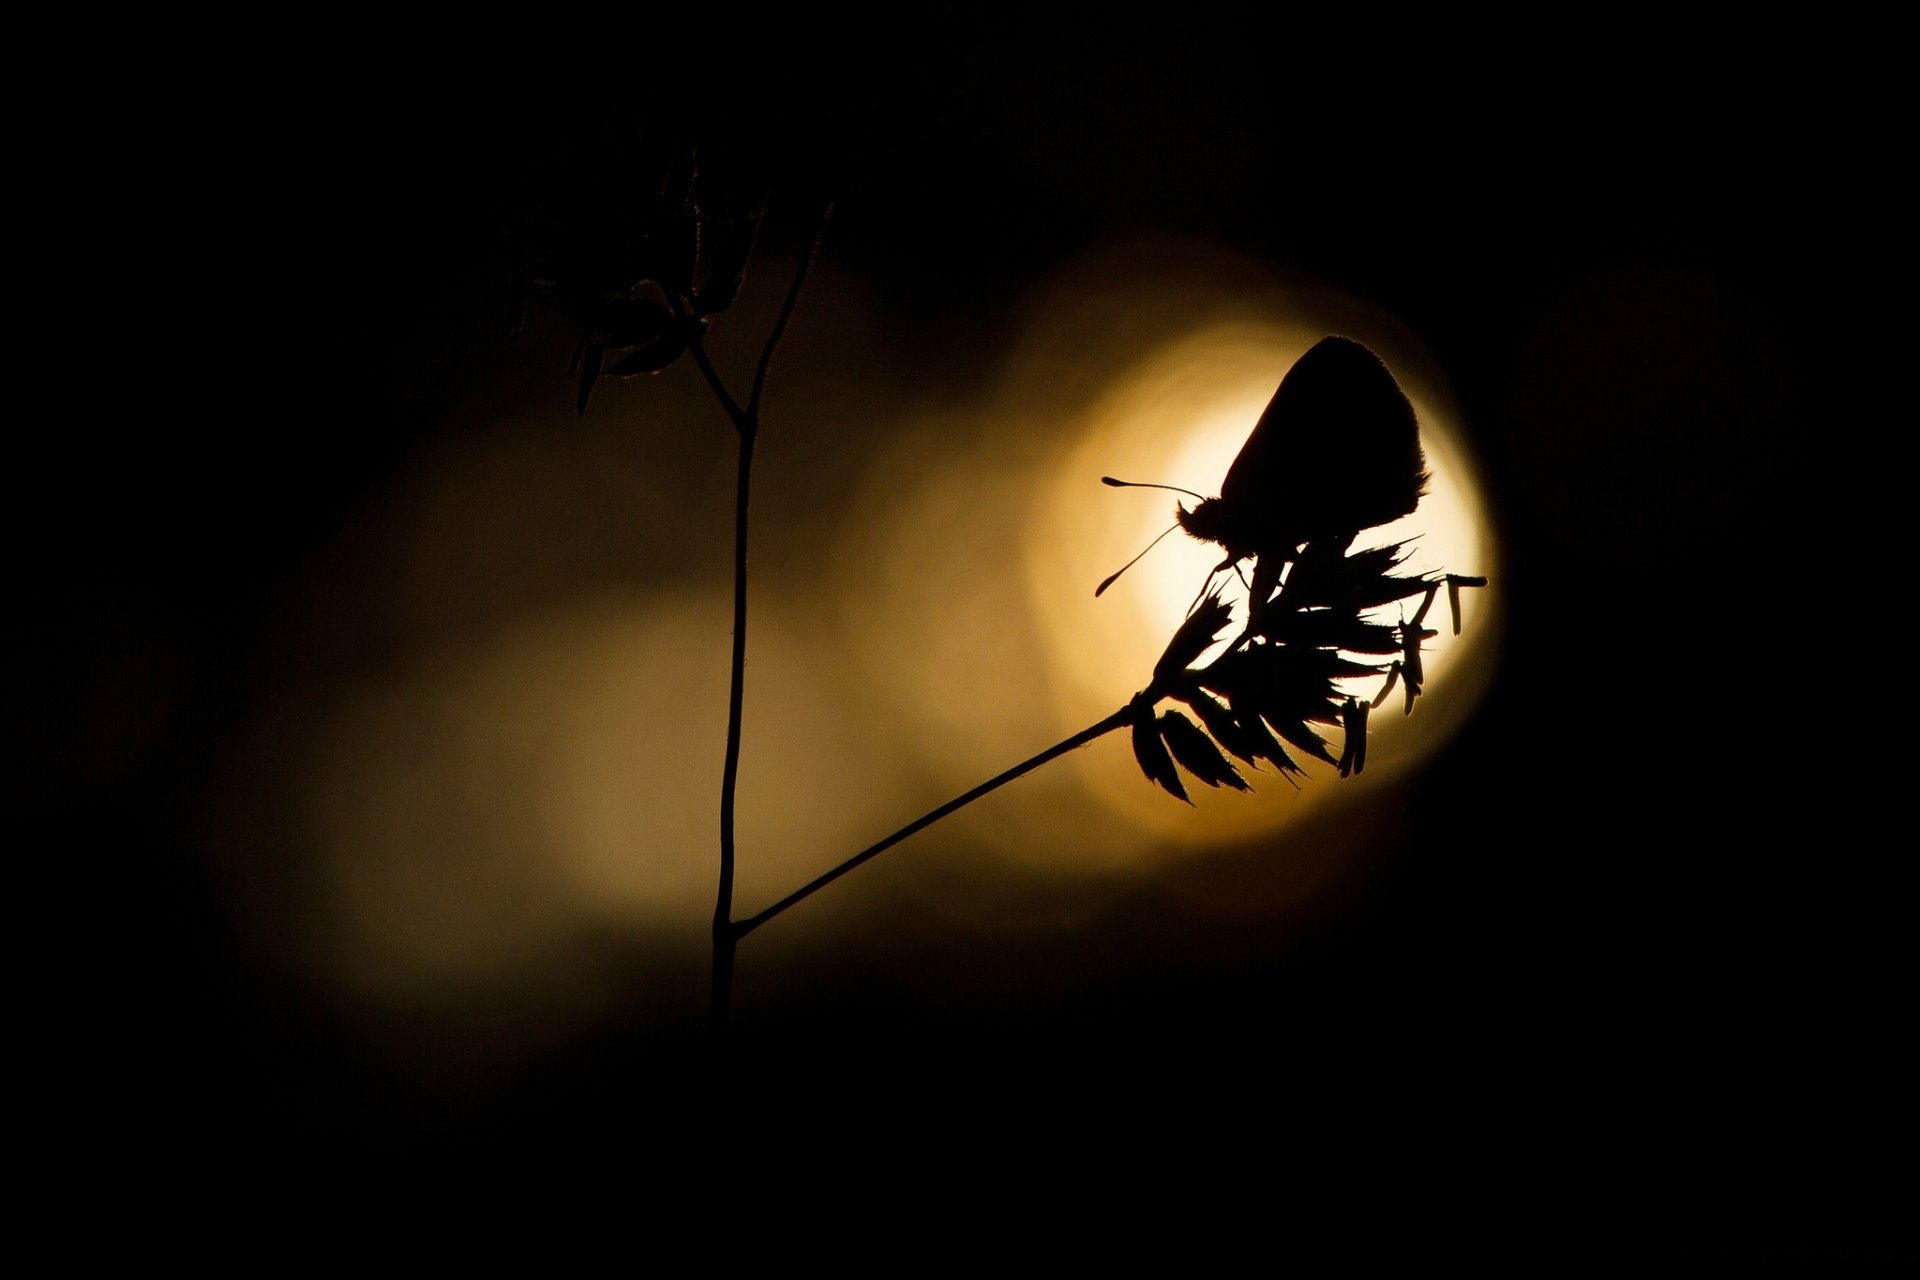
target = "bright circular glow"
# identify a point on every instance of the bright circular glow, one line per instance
(1179, 415)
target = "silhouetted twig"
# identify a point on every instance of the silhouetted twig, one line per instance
(725, 936)
(1118, 720)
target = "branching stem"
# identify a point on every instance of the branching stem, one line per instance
(738, 416)
(786, 314)
(747, 422)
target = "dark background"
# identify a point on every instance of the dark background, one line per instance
(1629, 961)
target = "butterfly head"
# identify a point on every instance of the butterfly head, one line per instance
(1204, 520)
(1216, 520)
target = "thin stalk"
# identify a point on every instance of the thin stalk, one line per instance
(747, 421)
(724, 936)
(1117, 720)
(786, 314)
(735, 414)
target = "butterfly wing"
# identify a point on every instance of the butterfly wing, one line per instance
(1337, 451)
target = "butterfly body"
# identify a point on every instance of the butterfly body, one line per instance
(1336, 451)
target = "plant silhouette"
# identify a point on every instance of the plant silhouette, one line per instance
(640, 262)
(1277, 681)
(644, 259)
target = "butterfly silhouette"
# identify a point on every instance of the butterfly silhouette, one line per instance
(1337, 451)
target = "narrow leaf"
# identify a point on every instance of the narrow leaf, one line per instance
(1201, 628)
(1345, 669)
(1296, 731)
(1333, 629)
(1197, 754)
(1154, 760)
(1371, 593)
(1220, 723)
(1263, 744)
(1325, 578)
(1246, 736)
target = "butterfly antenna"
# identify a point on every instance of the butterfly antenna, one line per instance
(1110, 482)
(1129, 564)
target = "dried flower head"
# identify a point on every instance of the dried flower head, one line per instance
(1277, 681)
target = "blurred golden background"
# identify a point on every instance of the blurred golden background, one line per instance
(526, 755)
(374, 700)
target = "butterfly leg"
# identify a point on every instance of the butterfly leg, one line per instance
(1207, 586)
(1266, 580)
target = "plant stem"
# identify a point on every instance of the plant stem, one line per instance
(786, 314)
(1115, 721)
(747, 421)
(734, 412)
(724, 936)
